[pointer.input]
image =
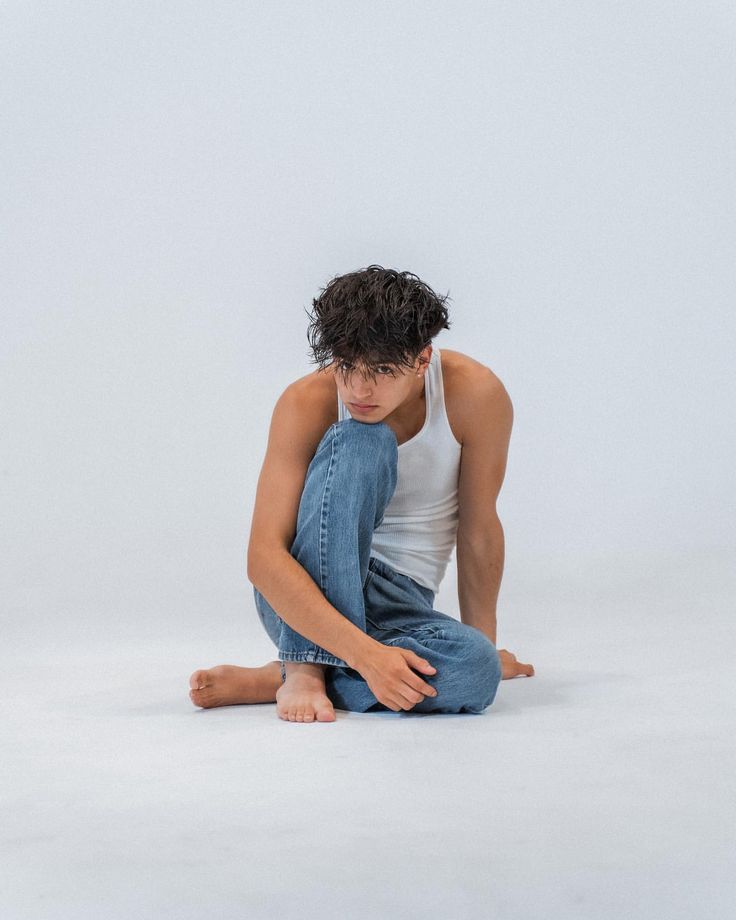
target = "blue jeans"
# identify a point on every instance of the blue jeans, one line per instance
(349, 482)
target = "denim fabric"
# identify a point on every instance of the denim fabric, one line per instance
(348, 485)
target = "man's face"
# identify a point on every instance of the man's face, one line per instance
(378, 396)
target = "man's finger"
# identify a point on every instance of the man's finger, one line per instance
(527, 669)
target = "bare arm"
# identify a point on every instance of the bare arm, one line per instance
(293, 593)
(297, 426)
(480, 537)
(480, 570)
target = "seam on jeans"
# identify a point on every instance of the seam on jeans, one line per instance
(424, 631)
(322, 514)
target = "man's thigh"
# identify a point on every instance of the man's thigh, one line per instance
(396, 605)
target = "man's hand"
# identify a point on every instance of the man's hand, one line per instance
(390, 673)
(510, 667)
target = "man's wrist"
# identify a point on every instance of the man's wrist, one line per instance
(487, 626)
(358, 646)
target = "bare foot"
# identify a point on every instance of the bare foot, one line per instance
(228, 685)
(302, 697)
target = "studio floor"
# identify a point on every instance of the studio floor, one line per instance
(603, 786)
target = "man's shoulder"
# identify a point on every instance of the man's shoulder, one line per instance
(312, 401)
(474, 393)
(317, 386)
(466, 370)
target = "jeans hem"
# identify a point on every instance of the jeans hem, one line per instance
(313, 658)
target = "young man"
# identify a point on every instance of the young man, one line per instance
(377, 464)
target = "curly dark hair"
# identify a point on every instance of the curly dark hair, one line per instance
(375, 316)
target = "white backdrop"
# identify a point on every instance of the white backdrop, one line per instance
(180, 179)
(178, 182)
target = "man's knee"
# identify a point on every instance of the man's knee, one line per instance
(377, 434)
(368, 451)
(356, 445)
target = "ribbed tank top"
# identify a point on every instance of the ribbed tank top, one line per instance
(419, 527)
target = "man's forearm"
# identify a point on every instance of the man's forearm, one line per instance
(479, 570)
(296, 597)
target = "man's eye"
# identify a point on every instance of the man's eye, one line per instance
(384, 369)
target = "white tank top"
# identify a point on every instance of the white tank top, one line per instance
(419, 527)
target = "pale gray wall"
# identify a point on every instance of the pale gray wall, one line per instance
(180, 179)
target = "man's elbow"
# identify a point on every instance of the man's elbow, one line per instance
(253, 562)
(481, 541)
(261, 555)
